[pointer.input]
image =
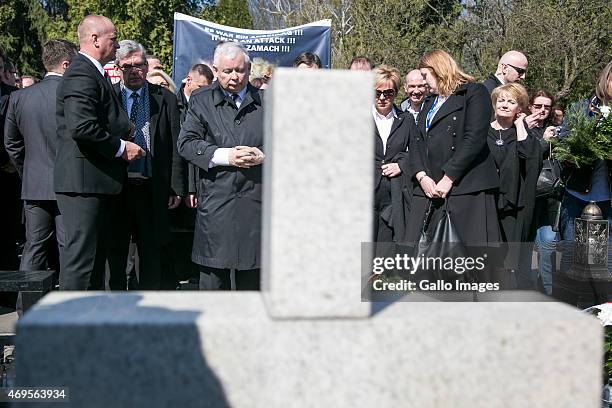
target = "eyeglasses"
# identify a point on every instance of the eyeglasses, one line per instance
(388, 93)
(127, 67)
(520, 71)
(541, 105)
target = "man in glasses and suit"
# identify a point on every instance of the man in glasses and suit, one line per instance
(93, 150)
(512, 67)
(155, 181)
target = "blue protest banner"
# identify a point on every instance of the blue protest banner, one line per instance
(195, 40)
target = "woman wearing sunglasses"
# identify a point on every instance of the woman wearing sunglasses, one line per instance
(546, 206)
(451, 165)
(392, 138)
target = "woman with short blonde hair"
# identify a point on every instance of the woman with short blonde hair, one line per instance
(518, 158)
(384, 73)
(516, 91)
(392, 135)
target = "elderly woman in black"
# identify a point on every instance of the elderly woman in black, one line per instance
(517, 155)
(392, 138)
(451, 165)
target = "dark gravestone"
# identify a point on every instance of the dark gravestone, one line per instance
(32, 285)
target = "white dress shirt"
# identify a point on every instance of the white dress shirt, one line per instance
(383, 124)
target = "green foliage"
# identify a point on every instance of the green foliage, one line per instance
(567, 42)
(233, 13)
(19, 36)
(589, 138)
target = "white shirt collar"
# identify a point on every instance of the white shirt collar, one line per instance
(378, 116)
(94, 61)
(51, 73)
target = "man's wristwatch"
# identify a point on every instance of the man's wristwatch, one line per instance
(421, 178)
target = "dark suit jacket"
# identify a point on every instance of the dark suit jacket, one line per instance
(31, 124)
(397, 145)
(456, 143)
(491, 83)
(90, 124)
(5, 91)
(167, 166)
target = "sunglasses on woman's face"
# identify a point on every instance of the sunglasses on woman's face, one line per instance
(388, 93)
(540, 106)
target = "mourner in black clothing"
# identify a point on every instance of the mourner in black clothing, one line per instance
(392, 134)
(93, 150)
(517, 156)
(222, 135)
(450, 159)
(546, 212)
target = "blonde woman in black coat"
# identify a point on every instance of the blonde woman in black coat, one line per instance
(392, 139)
(450, 160)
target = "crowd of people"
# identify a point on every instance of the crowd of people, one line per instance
(109, 169)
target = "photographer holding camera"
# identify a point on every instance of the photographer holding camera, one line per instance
(548, 195)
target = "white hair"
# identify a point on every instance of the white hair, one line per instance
(127, 47)
(230, 49)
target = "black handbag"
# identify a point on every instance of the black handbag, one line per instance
(549, 180)
(443, 242)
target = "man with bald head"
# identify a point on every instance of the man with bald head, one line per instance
(416, 90)
(512, 67)
(93, 150)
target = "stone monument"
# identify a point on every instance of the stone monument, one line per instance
(307, 340)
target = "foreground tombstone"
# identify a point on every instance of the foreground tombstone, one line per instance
(317, 192)
(276, 349)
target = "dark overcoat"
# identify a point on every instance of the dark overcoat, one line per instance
(168, 178)
(394, 215)
(228, 221)
(456, 145)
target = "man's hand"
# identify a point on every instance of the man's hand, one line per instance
(191, 201)
(245, 156)
(132, 152)
(173, 202)
(391, 170)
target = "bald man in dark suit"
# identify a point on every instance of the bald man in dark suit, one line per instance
(92, 155)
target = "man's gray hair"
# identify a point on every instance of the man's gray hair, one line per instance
(127, 47)
(230, 49)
